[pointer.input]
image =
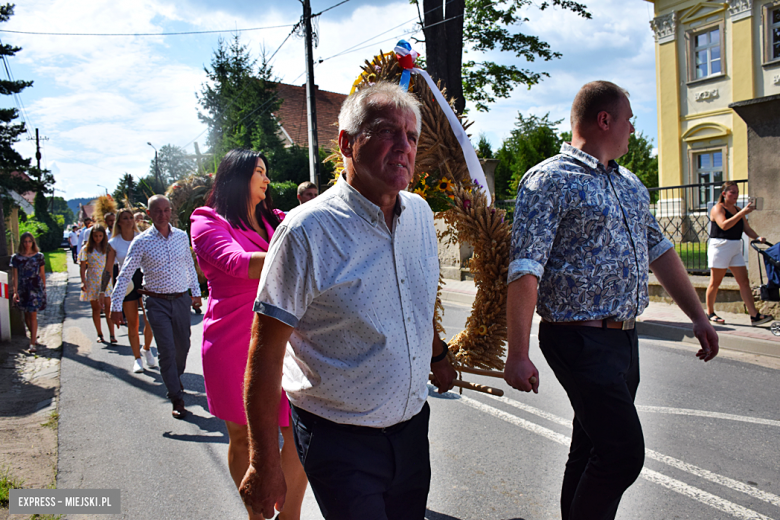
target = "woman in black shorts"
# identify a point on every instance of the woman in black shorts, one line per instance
(123, 234)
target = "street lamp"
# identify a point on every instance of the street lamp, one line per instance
(156, 164)
(100, 186)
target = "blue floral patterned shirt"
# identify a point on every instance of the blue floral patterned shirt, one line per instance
(586, 232)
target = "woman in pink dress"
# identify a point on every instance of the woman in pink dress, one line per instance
(230, 236)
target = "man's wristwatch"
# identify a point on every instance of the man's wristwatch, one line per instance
(436, 359)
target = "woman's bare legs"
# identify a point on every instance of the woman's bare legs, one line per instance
(131, 314)
(31, 320)
(294, 477)
(107, 309)
(740, 274)
(148, 334)
(95, 304)
(238, 456)
(716, 277)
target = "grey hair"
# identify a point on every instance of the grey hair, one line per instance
(356, 107)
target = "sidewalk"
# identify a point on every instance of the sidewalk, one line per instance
(665, 321)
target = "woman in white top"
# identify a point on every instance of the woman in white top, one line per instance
(125, 231)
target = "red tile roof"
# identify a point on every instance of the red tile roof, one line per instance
(292, 114)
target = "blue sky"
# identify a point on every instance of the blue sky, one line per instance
(99, 100)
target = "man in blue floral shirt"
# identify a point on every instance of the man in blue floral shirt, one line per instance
(584, 233)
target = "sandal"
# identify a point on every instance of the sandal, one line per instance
(33, 349)
(760, 319)
(714, 318)
(113, 339)
(100, 339)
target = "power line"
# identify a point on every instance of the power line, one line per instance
(148, 34)
(329, 8)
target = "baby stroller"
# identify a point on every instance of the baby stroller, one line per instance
(770, 292)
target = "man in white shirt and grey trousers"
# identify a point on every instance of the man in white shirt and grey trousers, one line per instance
(346, 303)
(163, 253)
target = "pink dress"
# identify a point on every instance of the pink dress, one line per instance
(223, 255)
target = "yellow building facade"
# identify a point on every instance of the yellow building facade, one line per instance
(709, 55)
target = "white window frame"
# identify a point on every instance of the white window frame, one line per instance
(714, 191)
(769, 34)
(691, 50)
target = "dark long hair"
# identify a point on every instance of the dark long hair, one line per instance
(230, 197)
(33, 247)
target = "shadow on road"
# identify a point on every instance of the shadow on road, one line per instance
(193, 385)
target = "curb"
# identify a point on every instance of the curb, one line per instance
(660, 330)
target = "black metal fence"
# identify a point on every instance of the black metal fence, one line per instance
(683, 212)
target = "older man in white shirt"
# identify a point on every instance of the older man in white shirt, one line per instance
(163, 254)
(350, 282)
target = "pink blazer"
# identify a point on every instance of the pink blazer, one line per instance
(223, 254)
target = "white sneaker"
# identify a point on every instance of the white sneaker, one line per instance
(149, 358)
(138, 367)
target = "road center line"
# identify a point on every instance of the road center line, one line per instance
(736, 485)
(712, 415)
(652, 476)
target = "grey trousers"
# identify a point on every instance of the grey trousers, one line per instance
(170, 321)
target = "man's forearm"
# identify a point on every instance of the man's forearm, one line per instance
(520, 304)
(262, 388)
(669, 270)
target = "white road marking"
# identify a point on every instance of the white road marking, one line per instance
(712, 415)
(652, 476)
(736, 485)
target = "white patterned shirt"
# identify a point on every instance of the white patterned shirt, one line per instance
(361, 301)
(166, 263)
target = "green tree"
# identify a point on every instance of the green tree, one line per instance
(238, 100)
(127, 188)
(482, 26)
(484, 150)
(533, 140)
(640, 159)
(59, 206)
(174, 164)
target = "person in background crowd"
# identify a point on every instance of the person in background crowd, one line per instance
(724, 251)
(582, 240)
(73, 238)
(230, 236)
(140, 221)
(123, 235)
(306, 192)
(29, 284)
(93, 263)
(82, 233)
(163, 253)
(346, 303)
(108, 223)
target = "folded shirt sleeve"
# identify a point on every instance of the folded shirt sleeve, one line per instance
(539, 208)
(286, 286)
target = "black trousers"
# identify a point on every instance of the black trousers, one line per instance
(359, 473)
(599, 369)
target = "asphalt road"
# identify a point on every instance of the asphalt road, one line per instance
(712, 431)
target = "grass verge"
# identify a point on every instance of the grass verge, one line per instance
(7, 483)
(54, 418)
(56, 261)
(693, 254)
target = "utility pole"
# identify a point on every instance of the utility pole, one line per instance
(311, 103)
(38, 139)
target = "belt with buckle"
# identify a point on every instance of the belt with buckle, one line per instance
(170, 297)
(600, 324)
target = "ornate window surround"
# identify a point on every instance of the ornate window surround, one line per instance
(690, 53)
(766, 11)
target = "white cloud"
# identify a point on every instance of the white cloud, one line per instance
(100, 99)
